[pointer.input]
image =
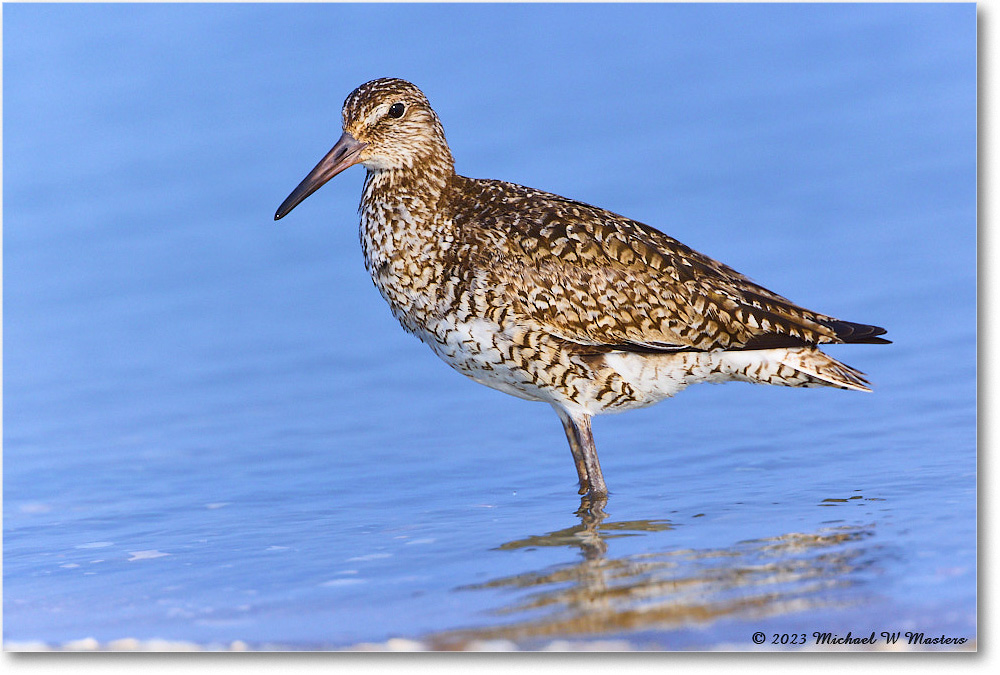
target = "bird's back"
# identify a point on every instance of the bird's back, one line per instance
(591, 277)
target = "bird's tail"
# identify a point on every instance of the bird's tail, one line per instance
(821, 369)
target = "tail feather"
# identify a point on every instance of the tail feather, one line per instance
(858, 333)
(815, 364)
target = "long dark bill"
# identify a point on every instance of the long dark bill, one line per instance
(347, 152)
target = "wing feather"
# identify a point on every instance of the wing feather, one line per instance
(593, 277)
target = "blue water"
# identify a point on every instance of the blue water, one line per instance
(214, 430)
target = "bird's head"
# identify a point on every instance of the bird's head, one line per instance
(388, 126)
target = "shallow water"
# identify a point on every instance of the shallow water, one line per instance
(214, 430)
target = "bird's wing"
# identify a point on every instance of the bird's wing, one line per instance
(592, 277)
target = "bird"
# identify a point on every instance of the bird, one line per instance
(551, 299)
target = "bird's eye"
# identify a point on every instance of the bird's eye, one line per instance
(396, 110)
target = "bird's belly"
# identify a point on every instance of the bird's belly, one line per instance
(650, 378)
(534, 366)
(481, 350)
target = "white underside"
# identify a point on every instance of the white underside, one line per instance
(480, 350)
(477, 349)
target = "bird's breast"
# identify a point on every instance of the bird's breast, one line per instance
(405, 256)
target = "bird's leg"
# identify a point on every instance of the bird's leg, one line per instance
(581, 444)
(574, 447)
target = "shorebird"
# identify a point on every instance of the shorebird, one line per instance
(550, 299)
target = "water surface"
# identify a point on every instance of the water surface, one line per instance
(214, 430)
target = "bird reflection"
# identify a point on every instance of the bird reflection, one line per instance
(602, 594)
(592, 533)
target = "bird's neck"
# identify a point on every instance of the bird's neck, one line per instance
(403, 235)
(402, 203)
(421, 183)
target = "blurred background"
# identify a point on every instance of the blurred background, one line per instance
(215, 431)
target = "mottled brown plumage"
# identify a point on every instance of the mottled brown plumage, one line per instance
(550, 299)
